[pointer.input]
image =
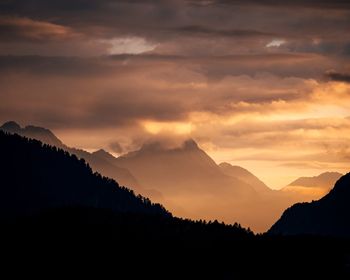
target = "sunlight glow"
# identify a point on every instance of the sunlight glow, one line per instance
(275, 43)
(129, 45)
(179, 128)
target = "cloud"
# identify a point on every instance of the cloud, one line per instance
(116, 147)
(210, 67)
(275, 43)
(25, 29)
(172, 27)
(325, 4)
(339, 77)
(129, 45)
(206, 31)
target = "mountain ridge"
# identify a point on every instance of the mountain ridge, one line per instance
(325, 179)
(123, 176)
(328, 216)
(244, 175)
(51, 177)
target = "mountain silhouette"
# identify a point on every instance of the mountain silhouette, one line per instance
(95, 160)
(184, 179)
(36, 176)
(53, 206)
(328, 216)
(244, 175)
(39, 133)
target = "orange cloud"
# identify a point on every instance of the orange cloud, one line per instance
(20, 28)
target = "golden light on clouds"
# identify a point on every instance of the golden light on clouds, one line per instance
(177, 128)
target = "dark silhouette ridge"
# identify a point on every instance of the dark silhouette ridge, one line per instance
(11, 126)
(38, 176)
(96, 161)
(329, 216)
(35, 132)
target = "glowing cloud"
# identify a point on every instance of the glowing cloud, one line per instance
(129, 45)
(276, 43)
(167, 127)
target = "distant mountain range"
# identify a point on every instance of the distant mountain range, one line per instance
(328, 216)
(54, 205)
(186, 180)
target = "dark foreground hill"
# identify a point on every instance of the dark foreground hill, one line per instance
(58, 218)
(37, 176)
(97, 163)
(329, 216)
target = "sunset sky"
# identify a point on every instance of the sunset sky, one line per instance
(259, 84)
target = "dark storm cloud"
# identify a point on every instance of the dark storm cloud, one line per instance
(24, 29)
(205, 31)
(175, 28)
(339, 77)
(163, 19)
(57, 66)
(336, 4)
(211, 67)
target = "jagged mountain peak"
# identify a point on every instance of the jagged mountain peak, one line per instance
(190, 144)
(10, 126)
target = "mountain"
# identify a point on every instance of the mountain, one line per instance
(53, 207)
(328, 216)
(42, 134)
(311, 188)
(193, 185)
(98, 163)
(244, 175)
(324, 180)
(36, 176)
(185, 179)
(180, 170)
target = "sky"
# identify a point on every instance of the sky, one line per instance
(260, 84)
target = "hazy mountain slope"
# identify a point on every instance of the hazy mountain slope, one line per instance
(244, 175)
(311, 188)
(324, 180)
(194, 186)
(183, 169)
(105, 167)
(328, 216)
